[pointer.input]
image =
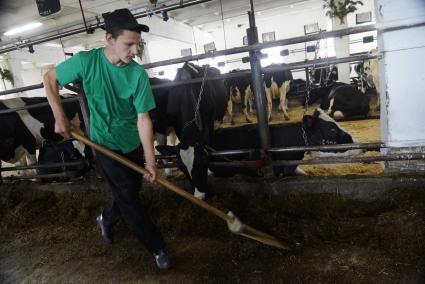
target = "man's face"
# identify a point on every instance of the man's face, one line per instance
(124, 47)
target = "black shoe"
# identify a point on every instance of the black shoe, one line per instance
(105, 231)
(162, 260)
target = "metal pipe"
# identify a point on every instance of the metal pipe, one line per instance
(289, 66)
(397, 157)
(22, 89)
(99, 24)
(60, 175)
(69, 25)
(259, 46)
(337, 160)
(72, 88)
(368, 146)
(35, 106)
(257, 82)
(46, 166)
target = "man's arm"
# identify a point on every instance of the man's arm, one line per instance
(62, 124)
(144, 126)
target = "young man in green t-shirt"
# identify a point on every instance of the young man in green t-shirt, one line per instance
(119, 98)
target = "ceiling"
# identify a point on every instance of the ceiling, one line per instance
(14, 13)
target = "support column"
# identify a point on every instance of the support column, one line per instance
(401, 79)
(342, 49)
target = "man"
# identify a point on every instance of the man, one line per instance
(119, 98)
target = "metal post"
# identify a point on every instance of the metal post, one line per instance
(258, 86)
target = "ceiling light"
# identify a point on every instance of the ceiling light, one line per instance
(228, 20)
(258, 13)
(51, 44)
(23, 28)
(291, 6)
(216, 13)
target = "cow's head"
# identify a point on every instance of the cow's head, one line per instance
(321, 129)
(192, 160)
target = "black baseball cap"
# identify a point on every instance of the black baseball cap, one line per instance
(122, 19)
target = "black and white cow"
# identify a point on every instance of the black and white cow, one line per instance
(320, 129)
(191, 110)
(22, 132)
(277, 86)
(240, 94)
(344, 101)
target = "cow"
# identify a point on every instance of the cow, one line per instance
(22, 132)
(319, 129)
(240, 94)
(276, 85)
(191, 110)
(371, 70)
(345, 101)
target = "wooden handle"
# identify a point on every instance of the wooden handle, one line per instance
(160, 180)
(243, 230)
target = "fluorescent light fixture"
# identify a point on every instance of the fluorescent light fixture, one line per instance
(51, 44)
(23, 28)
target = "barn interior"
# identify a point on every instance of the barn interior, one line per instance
(356, 218)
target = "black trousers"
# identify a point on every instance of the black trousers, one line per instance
(125, 185)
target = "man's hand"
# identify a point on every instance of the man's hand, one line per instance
(151, 176)
(63, 127)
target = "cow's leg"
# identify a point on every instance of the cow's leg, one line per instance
(245, 106)
(269, 103)
(299, 172)
(31, 160)
(283, 102)
(331, 104)
(250, 95)
(21, 162)
(187, 157)
(230, 110)
(161, 139)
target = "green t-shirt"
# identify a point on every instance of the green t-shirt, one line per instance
(115, 95)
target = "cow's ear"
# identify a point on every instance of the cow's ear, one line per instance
(307, 121)
(166, 149)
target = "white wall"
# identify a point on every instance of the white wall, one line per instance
(29, 68)
(402, 78)
(287, 22)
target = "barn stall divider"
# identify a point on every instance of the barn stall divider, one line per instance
(253, 47)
